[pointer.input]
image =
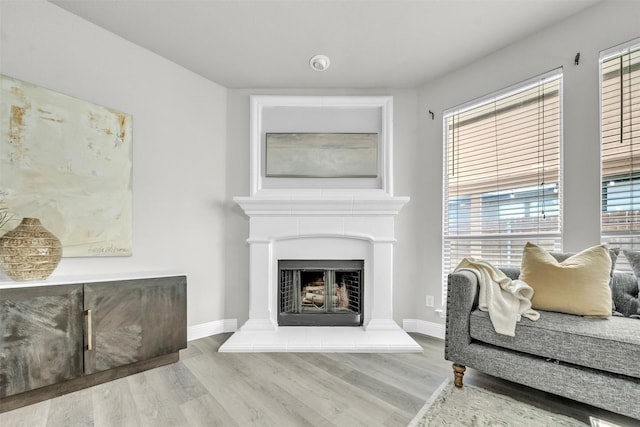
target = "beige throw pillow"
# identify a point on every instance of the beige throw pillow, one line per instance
(577, 285)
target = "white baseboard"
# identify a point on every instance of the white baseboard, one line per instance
(211, 328)
(423, 327)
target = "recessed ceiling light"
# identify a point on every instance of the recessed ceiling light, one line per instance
(319, 62)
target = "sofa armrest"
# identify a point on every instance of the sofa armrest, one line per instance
(462, 299)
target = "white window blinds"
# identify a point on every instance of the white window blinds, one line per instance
(502, 174)
(620, 144)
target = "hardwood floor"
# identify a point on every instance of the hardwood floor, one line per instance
(207, 388)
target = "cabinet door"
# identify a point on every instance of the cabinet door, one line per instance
(134, 320)
(41, 336)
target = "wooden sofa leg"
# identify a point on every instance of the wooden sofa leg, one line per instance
(458, 373)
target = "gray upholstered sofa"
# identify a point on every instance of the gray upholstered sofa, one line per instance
(591, 360)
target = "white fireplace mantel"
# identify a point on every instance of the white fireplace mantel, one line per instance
(326, 205)
(321, 226)
(323, 218)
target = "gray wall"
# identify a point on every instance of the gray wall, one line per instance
(179, 142)
(191, 146)
(603, 26)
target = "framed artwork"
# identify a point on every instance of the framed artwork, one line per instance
(321, 155)
(67, 162)
(329, 143)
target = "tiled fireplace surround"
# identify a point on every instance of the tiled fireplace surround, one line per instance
(319, 226)
(321, 219)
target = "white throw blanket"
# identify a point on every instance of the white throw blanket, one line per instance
(505, 299)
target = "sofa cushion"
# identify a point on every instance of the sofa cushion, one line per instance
(624, 287)
(613, 253)
(577, 285)
(624, 291)
(612, 345)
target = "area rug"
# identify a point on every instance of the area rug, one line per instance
(473, 406)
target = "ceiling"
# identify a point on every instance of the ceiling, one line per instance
(371, 44)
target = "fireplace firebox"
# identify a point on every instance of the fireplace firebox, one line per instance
(320, 292)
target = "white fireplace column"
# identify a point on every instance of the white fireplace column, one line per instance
(381, 310)
(260, 315)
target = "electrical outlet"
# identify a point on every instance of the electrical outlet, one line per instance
(429, 300)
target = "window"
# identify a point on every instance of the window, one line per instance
(620, 145)
(502, 174)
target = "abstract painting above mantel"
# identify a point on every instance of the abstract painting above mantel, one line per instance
(67, 162)
(335, 118)
(322, 155)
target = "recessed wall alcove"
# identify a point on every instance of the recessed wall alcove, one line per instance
(337, 218)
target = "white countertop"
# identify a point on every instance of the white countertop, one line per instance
(88, 278)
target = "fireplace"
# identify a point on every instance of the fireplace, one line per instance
(321, 248)
(285, 234)
(320, 292)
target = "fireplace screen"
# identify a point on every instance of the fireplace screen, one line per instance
(320, 293)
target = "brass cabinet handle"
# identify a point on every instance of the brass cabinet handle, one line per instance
(89, 343)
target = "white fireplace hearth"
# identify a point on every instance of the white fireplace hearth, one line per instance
(319, 226)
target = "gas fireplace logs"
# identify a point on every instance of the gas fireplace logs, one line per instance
(314, 294)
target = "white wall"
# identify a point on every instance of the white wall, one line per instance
(179, 142)
(237, 224)
(605, 25)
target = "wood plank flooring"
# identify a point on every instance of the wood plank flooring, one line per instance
(207, 388)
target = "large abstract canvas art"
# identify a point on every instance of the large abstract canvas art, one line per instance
(69, 163)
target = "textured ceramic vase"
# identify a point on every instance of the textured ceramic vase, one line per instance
(29, 251)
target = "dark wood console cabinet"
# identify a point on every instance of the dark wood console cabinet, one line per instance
(56, 339)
